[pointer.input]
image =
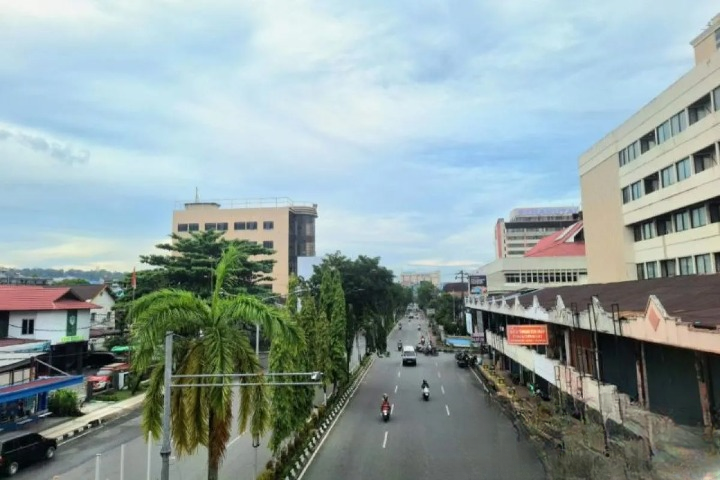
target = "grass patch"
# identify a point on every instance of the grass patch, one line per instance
(115, 396)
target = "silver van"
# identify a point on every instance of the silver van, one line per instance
(409, 357)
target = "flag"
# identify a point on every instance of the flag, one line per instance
(133, 280)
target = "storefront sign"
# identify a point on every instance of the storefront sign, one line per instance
(527, 334)
(478, 281)
(73, 338)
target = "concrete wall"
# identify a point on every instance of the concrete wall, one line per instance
(50, 325)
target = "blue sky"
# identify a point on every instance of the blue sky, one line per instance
(413, 125)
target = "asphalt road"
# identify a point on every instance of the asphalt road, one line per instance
(76, 459)
(458, 434)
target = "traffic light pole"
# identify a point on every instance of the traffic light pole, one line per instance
(166, 450)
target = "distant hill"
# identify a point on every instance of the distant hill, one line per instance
(92, 276)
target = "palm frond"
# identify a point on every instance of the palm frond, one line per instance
(155, 314)
(244, 308)
(151, 422)
(189, 421)
(230, 259)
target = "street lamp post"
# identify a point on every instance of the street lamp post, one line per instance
(166, 449)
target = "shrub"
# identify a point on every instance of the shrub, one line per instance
(64, 403)
(266, 475)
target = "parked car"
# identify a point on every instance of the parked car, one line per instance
(19, 449)
(103, 378)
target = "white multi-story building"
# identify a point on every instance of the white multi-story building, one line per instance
(409, 279)
(525, 227)
(651, 188)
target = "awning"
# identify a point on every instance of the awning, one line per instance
(42, 385)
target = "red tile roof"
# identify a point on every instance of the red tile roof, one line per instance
(36, 298)
(560, 244)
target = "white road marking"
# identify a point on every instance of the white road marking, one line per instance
(447, 409)
(439, 376)
(234, 440)
(392, 407)
(479, 380)
(385, 440)
(443, 389)
(395, 389)
(399, 372)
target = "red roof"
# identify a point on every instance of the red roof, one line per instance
(560, 244)
(36, 298)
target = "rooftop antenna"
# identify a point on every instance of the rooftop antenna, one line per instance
(197, 195)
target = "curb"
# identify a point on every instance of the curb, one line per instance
(119, 412)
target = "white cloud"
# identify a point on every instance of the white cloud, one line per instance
(413, 125)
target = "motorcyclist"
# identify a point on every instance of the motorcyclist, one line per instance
(385, 403)
(424, 384)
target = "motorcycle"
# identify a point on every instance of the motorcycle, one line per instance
(426, 393)
(385, 413)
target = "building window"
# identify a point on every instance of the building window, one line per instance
(678, 123)
(686, 265)
(717, 39)
(648, 230)
(637, 232)
(682, 221)
(703, 264)
(209, 227)
(251, 225)
(704, 159)
(647, 142)
(28, 326)
(668, 176)
(640, 271)
(716, 97)
(667, 268)
(664, 132)
(651, 269)
(223, 226)
(636, 189)
(268, 225)
(626, 197)
(700, 109)
(651, 183)
(239, 225)
(194, 227)
(698, 217)
(683, 169)
(268, 244)
(182, 227)
(664, 225)
(621, 157)
(717, 262)
(714, 207)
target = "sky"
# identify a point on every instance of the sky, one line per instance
(413, 125)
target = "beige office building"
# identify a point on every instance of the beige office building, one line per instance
(277, 223)
(409, 279)
(651, 188)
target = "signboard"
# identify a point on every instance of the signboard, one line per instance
(478, 281)
(468, 323)
(527, 334)
(71, 338)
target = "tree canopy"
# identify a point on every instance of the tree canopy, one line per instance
(371, 296)
(189, 264)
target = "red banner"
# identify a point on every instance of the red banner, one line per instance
(527, 334)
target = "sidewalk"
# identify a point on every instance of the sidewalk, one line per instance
(95, 413)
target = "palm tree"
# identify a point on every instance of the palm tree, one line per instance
(209, 341)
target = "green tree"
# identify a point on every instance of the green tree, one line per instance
(70, 282)
(189, 264)
(291, 405)
(426, 293)
(366, 285)
(332, 299)
(208, 342)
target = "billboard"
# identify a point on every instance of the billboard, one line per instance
(478, 281)
(527, 334)
(468, 323)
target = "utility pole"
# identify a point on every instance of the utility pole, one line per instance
(462, 274)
